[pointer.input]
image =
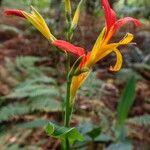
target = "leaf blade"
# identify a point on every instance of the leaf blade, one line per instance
(126, 100)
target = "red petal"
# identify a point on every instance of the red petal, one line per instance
(110, 15)
(78, 51)
(15, 12)
(125, 20)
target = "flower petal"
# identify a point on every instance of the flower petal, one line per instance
(110, 15)
(38, 22)
(68, 47)
(97, 45)
(118, 61)
(76, 83)
(127, 39)
(15, 12)
(124, 21)
(86, 61)
(37, 15)
(35, 19)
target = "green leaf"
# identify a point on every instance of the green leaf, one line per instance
(126, 100)
(62, 132)
(94, 132)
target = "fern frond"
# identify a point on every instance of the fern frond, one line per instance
(26, 62)
(141, 120)
(34, 91)
(12, 110)
(45, 104)
(37, 80)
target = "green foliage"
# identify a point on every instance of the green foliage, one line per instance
(35, 92)
(62, 133)
(126, 101)
(94, 132)
(12, 110)
(140, 120)
(39, 97)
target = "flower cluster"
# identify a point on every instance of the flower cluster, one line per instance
(101, 48)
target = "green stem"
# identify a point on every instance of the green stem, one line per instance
(68, 106)
(68, 109)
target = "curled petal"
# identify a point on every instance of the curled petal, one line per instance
(127, 39)
(124, 21)
(15, 12)
(110, 15)
(118, 61)
(68, 47)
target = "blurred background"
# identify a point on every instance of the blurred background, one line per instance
(32, 78)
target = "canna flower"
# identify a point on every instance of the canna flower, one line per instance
(102, 47)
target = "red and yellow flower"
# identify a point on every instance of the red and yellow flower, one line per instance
(35, 19)
(101, 48)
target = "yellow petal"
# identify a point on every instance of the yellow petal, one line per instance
(127, 39)
(107, 49)
(77, 81)
(76, 15)
(96, 48)
(98, 43)
(118, 61)
(37, 15)
(38, 22)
